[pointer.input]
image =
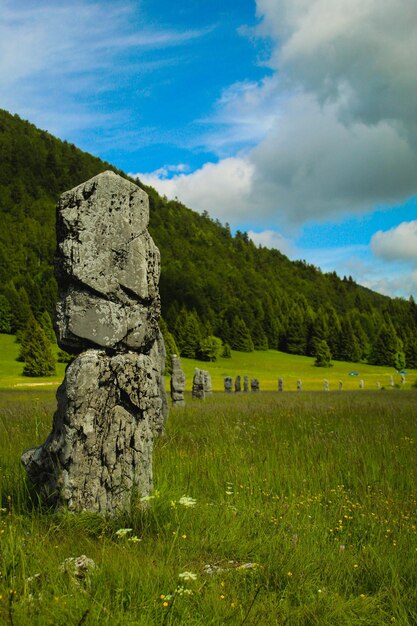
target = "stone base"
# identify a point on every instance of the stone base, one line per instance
(99, 452)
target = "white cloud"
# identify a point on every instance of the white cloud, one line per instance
(223, 189)
(396, 244)
(273, 239)
(332, 132)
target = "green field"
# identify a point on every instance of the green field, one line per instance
(305, 513)
(266, 366)
(300, 508)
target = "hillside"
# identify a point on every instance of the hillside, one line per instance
(212, 283)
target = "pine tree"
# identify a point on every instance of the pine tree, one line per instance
(46, 324)
(5, 315)
(241, 339)
(170, 345)
(39, 359)
(322, 354)
(385, 347)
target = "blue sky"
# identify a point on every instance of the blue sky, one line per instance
(295, 120)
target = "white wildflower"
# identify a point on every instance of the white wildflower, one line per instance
(187, 501)
(187, 576)
(122, 532)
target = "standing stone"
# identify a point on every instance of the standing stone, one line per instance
(326, 384)
(340, 385)
(198, 391)
(280, 384)
(228, 384)
(112, 402)
(402, 379)
(299, 384)
(177, 382)
(245, 384)
(208, 389)
(391, 381)
(254, 384)
(361, 384)
(238, 386)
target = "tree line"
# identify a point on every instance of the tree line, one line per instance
(219, 290)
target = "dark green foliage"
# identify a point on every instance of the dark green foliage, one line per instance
(386, 347)
(210, 348)
(322, 354)
(36, 351)
(170, 345)
(46, 324)
(240, 336)
(208, 278)
(65, 357)
(227, 352)
(5, 315)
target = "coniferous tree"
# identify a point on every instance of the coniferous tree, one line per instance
(46, 324)
(170, 345)
(385, 347)
(241, 339)
(39, 359)
(5, 315)
(322, 354)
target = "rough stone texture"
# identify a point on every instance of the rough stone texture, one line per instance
(299, 384)
(361, 384)
(112, 402)
(177, 382)
(208, 389)
(326, 384)
(280, 384)
(199, 386)
(107, 267)
(238, 385)
(228, 384)
(245, 384)
(254, 384)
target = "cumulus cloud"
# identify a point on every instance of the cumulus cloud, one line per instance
(396, 244)
(331, 132)
(273, 239)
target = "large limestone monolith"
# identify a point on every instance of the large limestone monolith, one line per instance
(112, 402)
(177, 382)
(208, 387)
(238, 384)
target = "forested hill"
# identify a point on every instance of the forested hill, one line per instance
(212, 283)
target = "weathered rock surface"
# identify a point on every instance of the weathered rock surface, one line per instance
(100, 447)
(246, 384)
(208, 389)
(238, 385)
(199, 385)
(112, 402)
(177, 382)
(107, 267)
(254, 384)
(228, 384)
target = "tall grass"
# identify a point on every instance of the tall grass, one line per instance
(299, 509)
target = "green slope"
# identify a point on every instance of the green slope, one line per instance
(211, 281)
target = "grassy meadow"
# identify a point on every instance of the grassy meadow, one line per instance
(268, 509)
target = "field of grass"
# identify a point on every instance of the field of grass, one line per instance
(300, 509)
(266, 366)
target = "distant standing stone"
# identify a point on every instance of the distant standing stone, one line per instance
(299, 384)
(228, 384)
(361, 384)
(280, 384)
(391, 381)
(208, 390)
(326, 384)
(177, 382)
(254, 384)
(238, 386)
(245, 384)
(198, 391)
(340, 385)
